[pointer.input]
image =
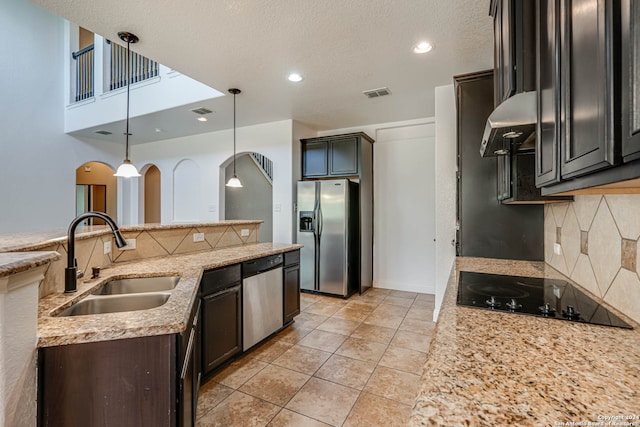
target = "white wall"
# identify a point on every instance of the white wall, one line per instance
(37, 160)
(446, 192)
(404, 215)
(211, 150)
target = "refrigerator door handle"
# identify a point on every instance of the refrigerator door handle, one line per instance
(319, 221)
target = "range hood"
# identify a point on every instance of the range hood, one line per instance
(509, 125)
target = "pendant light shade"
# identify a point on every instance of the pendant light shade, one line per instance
(234, 181)
(127, 169)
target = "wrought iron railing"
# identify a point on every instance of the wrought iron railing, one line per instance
(265, 165)
(142, 68)
(84, 73)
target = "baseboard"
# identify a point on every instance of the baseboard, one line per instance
(408, 287)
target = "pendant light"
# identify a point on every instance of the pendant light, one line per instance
(234, 181)
(127, 169)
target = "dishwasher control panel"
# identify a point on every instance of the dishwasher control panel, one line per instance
(253, 267)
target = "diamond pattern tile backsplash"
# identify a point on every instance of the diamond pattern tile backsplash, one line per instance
(598, 237)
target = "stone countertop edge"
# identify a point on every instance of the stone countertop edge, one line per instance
(492, 368)
(16, 262)
(38, 240)
(168, 318)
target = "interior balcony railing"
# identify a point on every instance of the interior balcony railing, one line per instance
(142, 68)
(84, 73)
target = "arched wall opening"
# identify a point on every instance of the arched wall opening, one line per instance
(150, 190)
(255, 199)
(96, 190)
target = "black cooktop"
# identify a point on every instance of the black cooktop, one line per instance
(549, 298)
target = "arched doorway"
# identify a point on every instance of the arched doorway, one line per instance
(96, 190)
(152, 195)
(255, 199)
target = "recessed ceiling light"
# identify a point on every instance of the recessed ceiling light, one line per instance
(295, 77)
(423, 47)
(202, 119)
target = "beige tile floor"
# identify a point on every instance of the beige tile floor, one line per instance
(354, 362)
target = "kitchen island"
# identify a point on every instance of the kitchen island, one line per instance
(488, 368)
(145, 363)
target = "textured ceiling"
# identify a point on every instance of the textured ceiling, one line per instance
(342, 47)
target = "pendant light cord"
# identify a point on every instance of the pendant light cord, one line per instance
(126, 157)
(234, 135)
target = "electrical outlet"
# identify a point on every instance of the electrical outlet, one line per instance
(244, 232)
(107, 247)
(131, 245)
(198, 237)
(557, 249)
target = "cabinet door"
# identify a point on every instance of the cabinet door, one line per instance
(587, 96)
(630, 79)
(504, 78)
(547, 92)
(221, 327)
(291, 292)
(343, 154)
(315, 159)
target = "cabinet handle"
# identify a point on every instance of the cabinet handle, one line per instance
(187, 357)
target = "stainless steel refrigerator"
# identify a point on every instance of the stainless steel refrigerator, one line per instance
(328, 227)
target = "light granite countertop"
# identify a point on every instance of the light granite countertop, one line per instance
(496, 369)
(168, 318)
(16, 262)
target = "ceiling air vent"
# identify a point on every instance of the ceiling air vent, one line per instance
(374, 93)
(103, 132)
(202, 111)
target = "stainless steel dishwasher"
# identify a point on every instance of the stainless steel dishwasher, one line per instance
(261, 299)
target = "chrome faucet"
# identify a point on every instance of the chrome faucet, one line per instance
(71, 272)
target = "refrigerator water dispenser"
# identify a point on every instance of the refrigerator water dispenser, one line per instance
(306, 221)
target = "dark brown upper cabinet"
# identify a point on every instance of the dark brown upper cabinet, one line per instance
(547, 91)
(514, 47)
(587, 113)
(630, 37)
(335, 156)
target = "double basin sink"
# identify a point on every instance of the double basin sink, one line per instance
(132, 294)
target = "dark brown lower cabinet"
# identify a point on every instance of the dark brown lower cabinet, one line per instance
(291, 304)
(221, 327)
(291, 286)
(130, 382)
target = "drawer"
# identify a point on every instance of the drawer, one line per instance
(220, 278)
(292, 258)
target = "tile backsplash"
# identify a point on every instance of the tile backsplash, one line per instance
(149, 243)
(598, 242)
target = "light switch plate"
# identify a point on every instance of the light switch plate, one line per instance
(212, 208)
(107, 247)
(131, 245)
(557, 249)
(244, 232)
(198, 237)
(277, 207)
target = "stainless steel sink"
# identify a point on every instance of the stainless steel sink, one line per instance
(116, 303)
(136, 285)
